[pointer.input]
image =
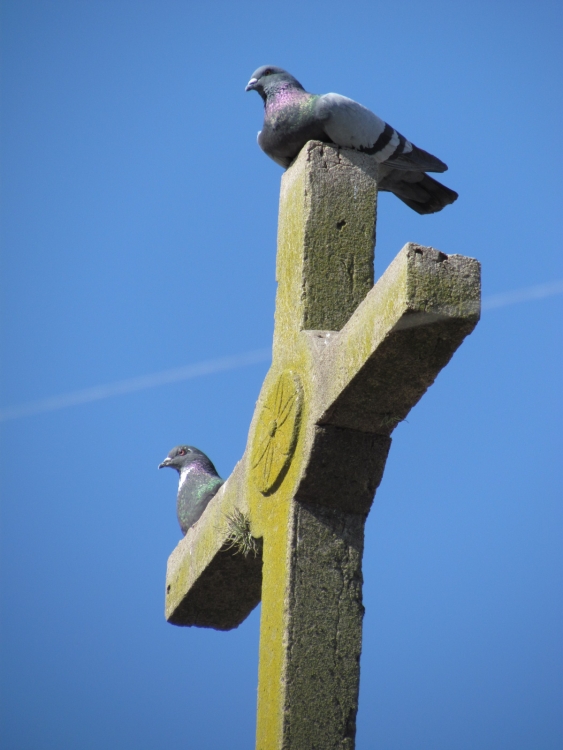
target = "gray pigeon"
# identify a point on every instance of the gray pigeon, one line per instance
(292, 117)
(199, 482)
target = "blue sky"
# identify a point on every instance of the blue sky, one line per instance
(138, 236)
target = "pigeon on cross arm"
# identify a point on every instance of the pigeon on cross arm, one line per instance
(199, 482)
(292, 117)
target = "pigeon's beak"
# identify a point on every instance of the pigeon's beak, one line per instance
(167, 461)
(251, 84)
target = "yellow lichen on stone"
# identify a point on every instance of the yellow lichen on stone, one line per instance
(276, 432)
(271, 518)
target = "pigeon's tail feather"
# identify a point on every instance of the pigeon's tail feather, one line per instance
(418, 159)
(419, 191)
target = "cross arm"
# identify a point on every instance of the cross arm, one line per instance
(209, 583)
(370, 374)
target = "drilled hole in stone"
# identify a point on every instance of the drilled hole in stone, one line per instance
(341, 224)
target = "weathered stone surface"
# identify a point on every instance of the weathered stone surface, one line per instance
(224, 594)
(344, 469)
(324, 628)
(349, 362)
(327, 230)
(393, 347)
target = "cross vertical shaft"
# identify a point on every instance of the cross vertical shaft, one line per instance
(311, 619)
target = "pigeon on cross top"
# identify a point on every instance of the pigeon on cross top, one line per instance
(199, 482)
(292, 117)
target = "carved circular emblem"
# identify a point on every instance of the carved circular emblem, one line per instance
(276, 432)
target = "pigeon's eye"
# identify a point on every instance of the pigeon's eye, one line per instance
(182, 452)
(268, 72)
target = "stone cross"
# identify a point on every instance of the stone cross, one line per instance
(349, 361)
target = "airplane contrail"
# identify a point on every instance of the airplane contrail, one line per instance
(223, 364)
(539, 291)
(139, 383)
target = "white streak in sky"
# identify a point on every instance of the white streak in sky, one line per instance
(540, 291)
(136, 384)
(523, 295)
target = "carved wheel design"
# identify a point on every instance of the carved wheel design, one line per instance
(276, 432)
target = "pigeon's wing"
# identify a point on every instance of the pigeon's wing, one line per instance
(418, 159)
(418, 190)
(352, 125)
